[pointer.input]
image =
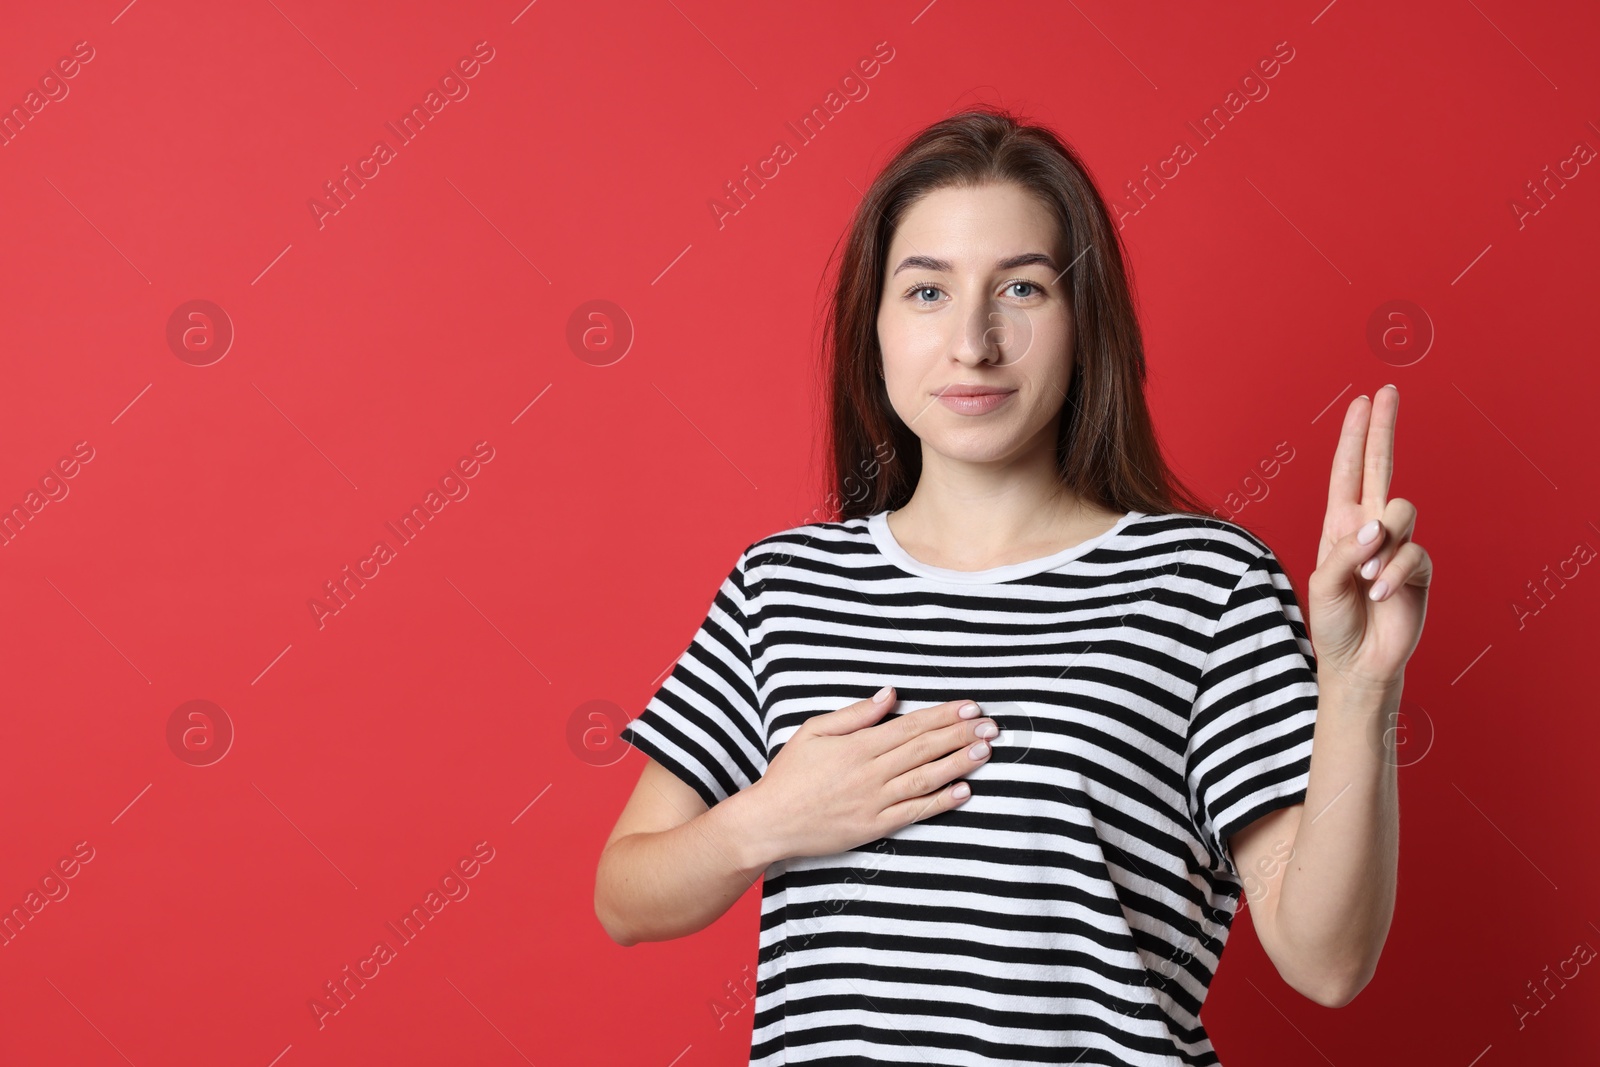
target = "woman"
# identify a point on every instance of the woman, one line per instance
(1048, 876)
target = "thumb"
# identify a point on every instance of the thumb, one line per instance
(853, 717)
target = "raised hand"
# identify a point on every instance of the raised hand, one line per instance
(1366, 600)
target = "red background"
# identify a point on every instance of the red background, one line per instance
(447, 703)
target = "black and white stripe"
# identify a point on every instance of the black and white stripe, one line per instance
(1156, 692)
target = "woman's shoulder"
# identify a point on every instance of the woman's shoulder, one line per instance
(817, 538)
(1232, 545)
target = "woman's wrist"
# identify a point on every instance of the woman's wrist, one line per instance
(744, 831)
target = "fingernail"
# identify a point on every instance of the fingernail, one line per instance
(1369, 569)
(987, 730)
(978, 751)
(960, 789)
(1368, 532)
(967, 711)
(883, 694)
(1378, 590)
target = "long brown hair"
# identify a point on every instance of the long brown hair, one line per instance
(1107, 452)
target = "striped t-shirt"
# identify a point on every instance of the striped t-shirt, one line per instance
(1155, 689)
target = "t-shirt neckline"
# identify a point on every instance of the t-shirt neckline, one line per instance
(883, 537)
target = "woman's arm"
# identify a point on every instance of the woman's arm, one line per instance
(672, 866)
(1368, 598)
(1324, 916)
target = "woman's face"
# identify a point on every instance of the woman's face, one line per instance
(974, 296)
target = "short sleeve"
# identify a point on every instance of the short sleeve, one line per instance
(1250, 728)
(704, 724)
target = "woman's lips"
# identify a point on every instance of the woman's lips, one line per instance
(975, 405)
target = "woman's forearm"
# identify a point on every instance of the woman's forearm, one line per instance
(1338, 894)
(671, 883)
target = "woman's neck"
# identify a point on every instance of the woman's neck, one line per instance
(975, 532)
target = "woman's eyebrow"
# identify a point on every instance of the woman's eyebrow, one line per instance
(930, 263)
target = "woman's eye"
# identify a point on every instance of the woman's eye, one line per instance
(915, 294)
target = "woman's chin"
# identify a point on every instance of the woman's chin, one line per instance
(975, 448)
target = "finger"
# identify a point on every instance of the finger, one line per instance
(903, 814)
(853, 717)
(936, 744)
(925, 779)
(892, 733)
(1344, 484)
(1410, 566)
(1361, 550)
(1379, 463)
(1399, 518)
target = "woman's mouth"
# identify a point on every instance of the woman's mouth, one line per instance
(975, 403)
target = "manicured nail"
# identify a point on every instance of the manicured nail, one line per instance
(1369, 569)
(1378, 590)
(987, 730)
(967, 711)
(883, 694)
(960, 789)
(978, 751)
(1368, 532)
